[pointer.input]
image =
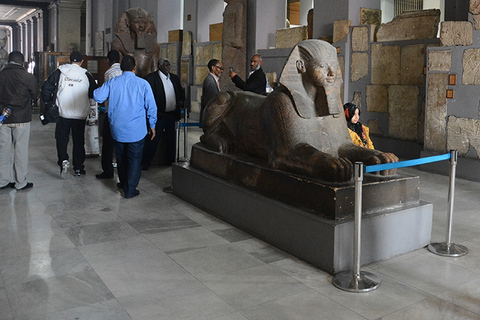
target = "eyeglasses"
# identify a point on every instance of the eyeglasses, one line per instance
(219, 68)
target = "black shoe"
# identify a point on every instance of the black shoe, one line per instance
(119, 185)
(79, 172)
(103, 175)
(168, 189)
(27, 186)
(9, 185)
(135, 193)
(145, 168)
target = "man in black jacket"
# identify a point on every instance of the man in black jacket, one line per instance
(169, 97)
(17, 90)
(257, 81)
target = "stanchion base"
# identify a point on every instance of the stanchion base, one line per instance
(452, 250)
(348, 281)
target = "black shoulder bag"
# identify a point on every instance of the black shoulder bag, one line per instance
(50, 111)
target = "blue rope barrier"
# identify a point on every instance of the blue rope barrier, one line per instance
(407, 163)
(190, 124)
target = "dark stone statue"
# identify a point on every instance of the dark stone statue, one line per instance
(136, 36)
(299, 127)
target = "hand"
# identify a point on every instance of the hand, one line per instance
(232, 74)
(152, 132)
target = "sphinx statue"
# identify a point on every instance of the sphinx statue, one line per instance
(136, 36)
(300, 127)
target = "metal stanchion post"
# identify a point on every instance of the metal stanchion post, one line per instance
(177, 140)
(448, 248)
(185, 136)
(169, 189)
(357, 281)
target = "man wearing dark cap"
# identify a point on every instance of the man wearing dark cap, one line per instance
(75, 87)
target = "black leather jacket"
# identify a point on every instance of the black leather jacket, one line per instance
(17, 89)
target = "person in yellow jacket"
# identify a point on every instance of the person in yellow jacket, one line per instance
(358, 132)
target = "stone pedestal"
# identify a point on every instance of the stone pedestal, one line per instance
(306, 217)
(324, 243)
(328, 200)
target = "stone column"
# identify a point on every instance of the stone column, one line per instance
(89, 44)
(23, 36)
(34, 34)
(16, 37)
(9, 46)
(28, 41)
(40, 39)
(52, 41)
(69, 24)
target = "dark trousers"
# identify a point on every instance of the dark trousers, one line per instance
(129, 165)
(107, 147)
(62, 132)
(166, 125)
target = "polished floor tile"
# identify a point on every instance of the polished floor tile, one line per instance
(306, 305)
(246, 288)
(75, 248)
(432, 309)
(185, 299)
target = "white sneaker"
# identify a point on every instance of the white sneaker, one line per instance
(65, 165)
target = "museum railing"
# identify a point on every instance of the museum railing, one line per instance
(185, 125)
(358, 281)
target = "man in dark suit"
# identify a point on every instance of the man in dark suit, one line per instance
(257, 81)
(211, 85)
(169, 97)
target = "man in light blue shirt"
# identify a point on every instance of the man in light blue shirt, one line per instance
(131, 101)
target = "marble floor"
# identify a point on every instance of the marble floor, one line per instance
(76, 249)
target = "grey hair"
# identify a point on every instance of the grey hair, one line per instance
(258, 55)
(161, 61)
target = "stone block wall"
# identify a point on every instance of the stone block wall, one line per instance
(453, 120)
(203, 52)
(289, 37)
(172, 51)
(387, 79)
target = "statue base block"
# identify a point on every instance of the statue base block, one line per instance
(329, 200)
(324, 243)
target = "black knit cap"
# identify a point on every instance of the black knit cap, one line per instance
(76, 56)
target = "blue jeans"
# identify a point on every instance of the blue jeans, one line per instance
(129, 165)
